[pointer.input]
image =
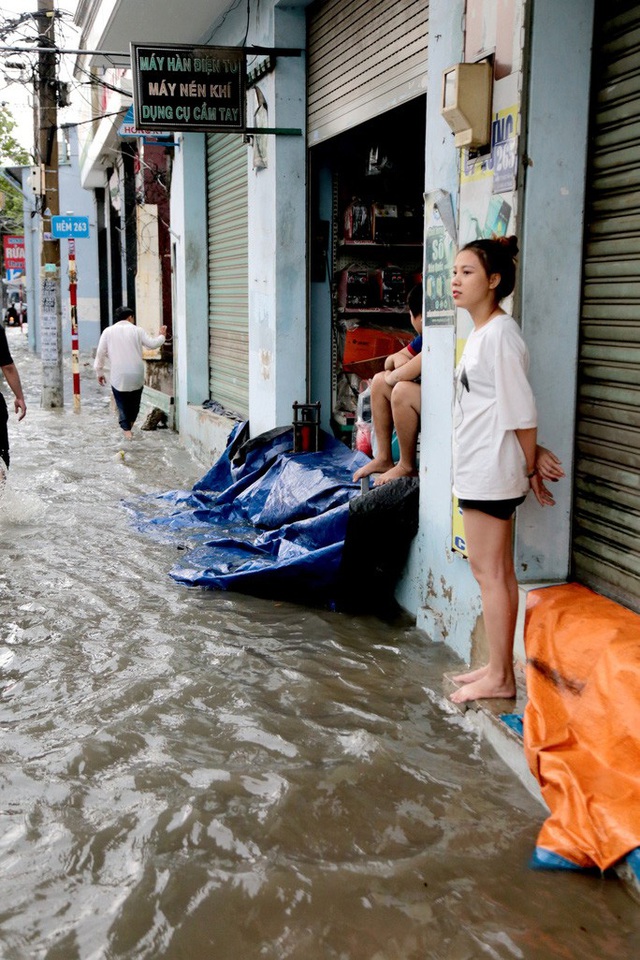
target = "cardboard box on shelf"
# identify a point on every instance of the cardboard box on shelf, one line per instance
(366, 348)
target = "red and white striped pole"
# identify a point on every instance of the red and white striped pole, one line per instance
(73, 300)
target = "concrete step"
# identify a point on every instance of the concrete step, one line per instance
(507, 742)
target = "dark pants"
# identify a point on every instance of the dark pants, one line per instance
(128, 404)
(4, 434)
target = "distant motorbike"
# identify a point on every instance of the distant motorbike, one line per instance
(12, 316)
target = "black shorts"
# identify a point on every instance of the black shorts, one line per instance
(500, 509)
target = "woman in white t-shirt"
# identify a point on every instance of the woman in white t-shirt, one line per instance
(496, 460)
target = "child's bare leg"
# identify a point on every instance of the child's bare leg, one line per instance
(491, 556)
(383, 426)
(405, 408)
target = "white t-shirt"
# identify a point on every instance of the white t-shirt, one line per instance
(122, 346)
(493, 399)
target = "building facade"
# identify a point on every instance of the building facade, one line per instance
(284, 251)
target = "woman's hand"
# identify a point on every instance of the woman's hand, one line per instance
(548, 465)
(541, 493)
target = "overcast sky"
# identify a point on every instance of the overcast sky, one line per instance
(19, 96)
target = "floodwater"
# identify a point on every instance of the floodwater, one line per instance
(208, 776)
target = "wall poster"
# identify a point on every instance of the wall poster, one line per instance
(440, 251)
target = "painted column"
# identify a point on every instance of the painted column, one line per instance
(551, 260)
(277, 237)
(189, 255)
(438, 583)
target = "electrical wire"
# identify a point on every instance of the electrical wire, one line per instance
(246, 32)
(222, 19)
(97, 81)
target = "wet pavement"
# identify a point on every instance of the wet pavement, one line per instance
(203, 775)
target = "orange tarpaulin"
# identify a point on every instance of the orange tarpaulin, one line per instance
(582, 722)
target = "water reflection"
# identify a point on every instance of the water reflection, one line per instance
(211, 776)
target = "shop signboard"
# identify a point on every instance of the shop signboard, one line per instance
(179, 87)
(128, 129)
(13, 252)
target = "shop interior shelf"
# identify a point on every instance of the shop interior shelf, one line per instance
(375, 243)
(373, 310)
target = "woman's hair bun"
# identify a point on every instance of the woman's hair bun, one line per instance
(511, 243)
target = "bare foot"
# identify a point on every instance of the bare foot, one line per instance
(484, 689)
(392, 474)
(472, 676)
(128, 434)
(377, 465)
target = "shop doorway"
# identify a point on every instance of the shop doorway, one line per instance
(366, 253)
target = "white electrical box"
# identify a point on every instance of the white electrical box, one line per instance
(467, 90)
(35, 180)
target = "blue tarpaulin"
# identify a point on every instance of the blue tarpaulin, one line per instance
(262, 520)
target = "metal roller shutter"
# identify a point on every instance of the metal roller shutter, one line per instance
(606, 545)
(228, 272)
(363, 59)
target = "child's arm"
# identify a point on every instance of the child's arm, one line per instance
(397, 359)
(410, 369)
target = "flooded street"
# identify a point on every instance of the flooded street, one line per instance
(210, 776)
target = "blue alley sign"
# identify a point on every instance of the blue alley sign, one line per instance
(66, 227)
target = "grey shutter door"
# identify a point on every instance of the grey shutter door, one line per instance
(227, 216)
(363, 59)
(606, 541)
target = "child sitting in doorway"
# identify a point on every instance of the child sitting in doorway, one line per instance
(395, 401)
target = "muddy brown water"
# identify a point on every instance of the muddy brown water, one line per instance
(209, 776)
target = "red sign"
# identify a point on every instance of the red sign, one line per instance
(13, 249)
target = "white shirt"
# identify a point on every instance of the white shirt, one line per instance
(493, 400)
(122, 346)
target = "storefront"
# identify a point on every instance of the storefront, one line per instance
(366, 117)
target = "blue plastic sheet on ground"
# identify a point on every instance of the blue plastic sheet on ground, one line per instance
(633, 862)
(542, 859)
(515, 722)
(262, 520)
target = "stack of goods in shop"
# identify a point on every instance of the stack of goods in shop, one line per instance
(365, 288)
(384, 223)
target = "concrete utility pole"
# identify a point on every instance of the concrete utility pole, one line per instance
(47, 150)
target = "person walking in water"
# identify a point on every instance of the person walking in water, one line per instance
(395, 402)
(121, 345)
(496, 459)
(12, 377)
